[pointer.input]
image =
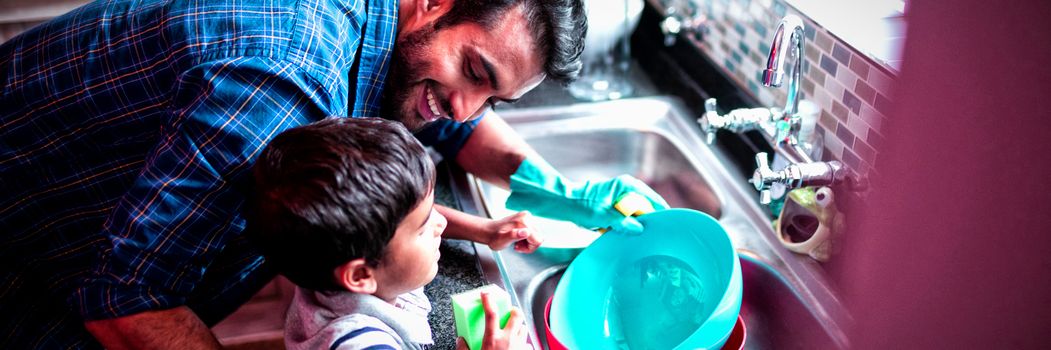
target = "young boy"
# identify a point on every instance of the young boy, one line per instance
(345, 209)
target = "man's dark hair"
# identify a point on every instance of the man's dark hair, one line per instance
(333, 191)
(558, 28)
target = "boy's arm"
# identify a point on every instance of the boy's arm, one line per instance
(497, 234)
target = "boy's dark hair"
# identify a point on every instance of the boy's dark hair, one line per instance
(558, 27)
(333, 191)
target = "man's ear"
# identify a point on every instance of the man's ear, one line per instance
(430, 5)
(357, 276)
(431, 10)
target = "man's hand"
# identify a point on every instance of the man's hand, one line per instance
(496, 154)
(539, 188)
(513, 229)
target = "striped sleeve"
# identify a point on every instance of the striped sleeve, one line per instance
(366, 338)
(185, 203)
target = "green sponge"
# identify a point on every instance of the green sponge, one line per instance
(470, 317)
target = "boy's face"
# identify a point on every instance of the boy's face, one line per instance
(411, 259)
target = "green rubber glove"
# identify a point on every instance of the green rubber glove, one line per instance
(540, 189)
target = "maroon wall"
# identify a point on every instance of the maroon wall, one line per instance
(953, 251)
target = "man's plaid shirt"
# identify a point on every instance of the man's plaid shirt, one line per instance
(127, 134)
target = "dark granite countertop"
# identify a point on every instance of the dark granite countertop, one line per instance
(457, 272)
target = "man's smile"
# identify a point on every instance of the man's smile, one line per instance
(429, 106)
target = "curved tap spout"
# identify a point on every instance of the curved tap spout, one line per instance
(787, 45)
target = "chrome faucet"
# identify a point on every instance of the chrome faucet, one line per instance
(781, 126)
(787, 45)
(799, 175)
(738, 120)
(786, 54)
(682, 16)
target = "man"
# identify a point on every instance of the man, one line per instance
(127, 130)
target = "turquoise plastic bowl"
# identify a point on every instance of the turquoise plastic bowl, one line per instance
(675, 286)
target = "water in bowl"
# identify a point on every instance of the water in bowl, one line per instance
(655, 303)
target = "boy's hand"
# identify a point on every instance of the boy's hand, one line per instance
(511, 337)
(513, 229)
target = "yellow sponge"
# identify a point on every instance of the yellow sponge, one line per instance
(633, 204)
(470, 316)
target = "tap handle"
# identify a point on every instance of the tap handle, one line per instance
(671, 26)
(710, 105)
(710, 121)
(761, 162)
(760, 177)
(683, 17)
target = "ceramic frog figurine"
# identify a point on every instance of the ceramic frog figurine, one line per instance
(809, 221)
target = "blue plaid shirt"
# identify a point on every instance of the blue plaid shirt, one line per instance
(127, 134)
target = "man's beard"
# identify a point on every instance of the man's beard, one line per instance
(405, 70)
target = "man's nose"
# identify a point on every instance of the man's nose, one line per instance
(468, 103)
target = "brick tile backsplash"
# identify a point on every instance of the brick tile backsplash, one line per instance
(852, 102)
(852, 91)
(864, 91)
(841, 53)
(829, 65)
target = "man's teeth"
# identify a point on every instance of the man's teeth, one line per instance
(432, 104)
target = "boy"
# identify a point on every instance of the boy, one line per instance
(345, 209)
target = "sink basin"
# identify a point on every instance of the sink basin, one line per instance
(644, 153)
(657, 141)
(772, 310)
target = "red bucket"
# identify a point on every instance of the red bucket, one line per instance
(737, 336)
(552, 343)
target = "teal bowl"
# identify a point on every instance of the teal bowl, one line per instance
(675, 286)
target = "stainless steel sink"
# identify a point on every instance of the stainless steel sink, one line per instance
(788, 302)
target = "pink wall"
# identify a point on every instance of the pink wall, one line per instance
(953, 251)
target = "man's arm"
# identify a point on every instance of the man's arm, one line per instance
(496, 154)
(177, 328)
(181, 211)
(494, 151)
